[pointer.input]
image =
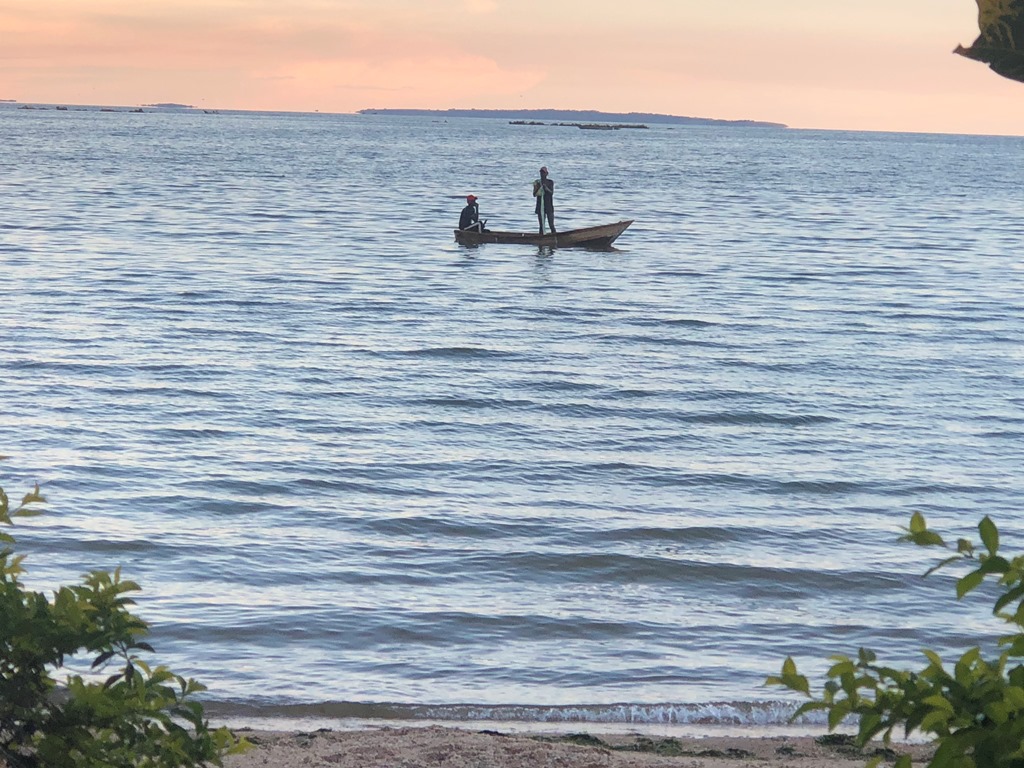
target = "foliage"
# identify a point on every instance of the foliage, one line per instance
(999, 45)
(975, 710)
(139, 716)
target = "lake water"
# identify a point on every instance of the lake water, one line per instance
(360, 470)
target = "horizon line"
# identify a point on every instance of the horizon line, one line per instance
(192, 108)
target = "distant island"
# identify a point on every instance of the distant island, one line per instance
(170, 105)
(575, 115)
(585, 126)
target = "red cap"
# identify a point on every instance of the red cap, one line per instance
(470, 198)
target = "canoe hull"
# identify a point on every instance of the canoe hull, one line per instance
(589, 237)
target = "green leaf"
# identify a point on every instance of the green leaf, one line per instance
(810, 706)
(33, 497)
(925, 539)
(935, 721)
(989, 535)
(790, 678)
(948, 750)
(1014, 594)
(870, 724)
(939, 702)
(837, 714)
(866, 656)
(933, 657)
(102, 659)
(1014, 697)
(995, 564)
(943, 564)
(844, 667)
(917, 523)
(968, 583)
(998, 712)
(797, 683)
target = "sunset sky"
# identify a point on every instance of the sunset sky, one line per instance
(869, 64)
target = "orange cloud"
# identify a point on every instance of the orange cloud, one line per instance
(241, 55)
(412, 81)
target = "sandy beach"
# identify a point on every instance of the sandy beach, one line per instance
(462, 748)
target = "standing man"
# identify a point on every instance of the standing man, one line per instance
(544, 191)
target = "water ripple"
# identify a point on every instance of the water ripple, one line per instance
(362, 469)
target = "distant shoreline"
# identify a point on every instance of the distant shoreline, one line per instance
(575, 118)
(585, 116)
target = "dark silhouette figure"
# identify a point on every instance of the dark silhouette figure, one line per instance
(544, 191)
(470, 218)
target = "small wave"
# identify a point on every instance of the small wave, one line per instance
(474, 402)
(590, 410)
(673, 273)
(745, 713)
(651, 340)
(1003, 435)
(689, 535)
(668, 477)
(688, 322)
(453, 352)
(637, 393)
(754, 418)
(420, 525)
(119, 547)
(558, 385)
(820, 486)
(669, 568)
(772, 367)
(176, 434)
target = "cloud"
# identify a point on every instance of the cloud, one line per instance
(425, 79)
(253, 53)
(863, 65)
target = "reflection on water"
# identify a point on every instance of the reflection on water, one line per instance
(350, 460)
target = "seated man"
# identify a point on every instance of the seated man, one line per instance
(470, 218)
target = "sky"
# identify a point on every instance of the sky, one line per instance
(863, 65)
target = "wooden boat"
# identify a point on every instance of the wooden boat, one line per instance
(588, 237)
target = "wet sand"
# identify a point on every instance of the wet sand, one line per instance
(462, 748)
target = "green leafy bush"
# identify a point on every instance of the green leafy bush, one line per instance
(975, 710)
(138, 717)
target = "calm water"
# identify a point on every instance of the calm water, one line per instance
(354, 463)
